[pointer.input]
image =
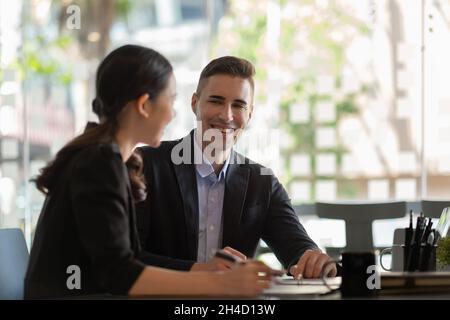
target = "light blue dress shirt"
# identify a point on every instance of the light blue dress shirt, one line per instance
(211, 190)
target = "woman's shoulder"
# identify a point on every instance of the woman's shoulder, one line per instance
(104, 149)
(99, 155)
(98, 166)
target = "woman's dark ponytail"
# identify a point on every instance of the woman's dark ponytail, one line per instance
(137, 180)
(97, 107)
(49, 175)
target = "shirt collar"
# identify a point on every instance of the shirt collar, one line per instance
(203, 165)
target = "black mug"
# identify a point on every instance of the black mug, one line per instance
(358, 269)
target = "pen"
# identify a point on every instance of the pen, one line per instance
(408, 236)
(435, 237)
(430, 239)
(226, 256)
(414, 250)
(427, 231)
(235, 260)
(408, 239)
(418, 231)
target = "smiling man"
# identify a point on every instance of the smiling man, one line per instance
(204, 196)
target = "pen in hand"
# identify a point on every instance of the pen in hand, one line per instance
(228, 257)
(236, 260)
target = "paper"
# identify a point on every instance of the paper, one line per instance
(289, 286)
(295, 290)
(336, 281)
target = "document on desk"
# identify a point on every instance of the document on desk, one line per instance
(290, 286)
(335, 281)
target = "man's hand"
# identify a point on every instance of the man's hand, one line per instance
(218, 264)
(310, 265)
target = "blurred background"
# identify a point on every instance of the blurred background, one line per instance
(352, 96)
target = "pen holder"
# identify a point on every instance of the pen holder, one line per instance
(421, 258)
(428, 258)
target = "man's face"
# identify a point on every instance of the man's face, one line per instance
(223, 106)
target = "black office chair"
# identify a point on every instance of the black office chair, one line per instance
(433, 209)
(358, 217)
(13, 264)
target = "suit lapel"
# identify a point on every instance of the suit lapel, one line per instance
(185, 173)
(236, 184)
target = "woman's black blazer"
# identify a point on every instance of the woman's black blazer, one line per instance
(86, 240)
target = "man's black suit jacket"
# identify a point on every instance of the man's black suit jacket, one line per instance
(255, 206)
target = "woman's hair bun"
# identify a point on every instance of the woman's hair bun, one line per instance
(98, 107)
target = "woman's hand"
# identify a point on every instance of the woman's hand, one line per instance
(248, 279)
(218, 264)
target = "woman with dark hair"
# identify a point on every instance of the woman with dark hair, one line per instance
(86, 240)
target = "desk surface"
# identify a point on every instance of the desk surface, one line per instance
(316, 290)
(288, 292)
(286, 288)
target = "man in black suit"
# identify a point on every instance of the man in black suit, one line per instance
(203, 195)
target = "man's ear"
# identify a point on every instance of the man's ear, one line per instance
(141, 105)
(250, 113)
(194, 100)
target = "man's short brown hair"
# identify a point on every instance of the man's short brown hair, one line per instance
(228, 65)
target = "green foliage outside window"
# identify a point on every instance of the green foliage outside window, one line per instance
(443, 252)
(319, 36)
